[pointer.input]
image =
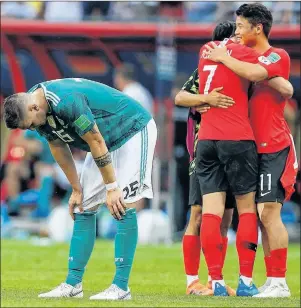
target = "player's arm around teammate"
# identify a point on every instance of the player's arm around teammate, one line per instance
(250, 71)
(203, 102)
(277, 159)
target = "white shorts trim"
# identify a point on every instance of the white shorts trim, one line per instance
(133, 164)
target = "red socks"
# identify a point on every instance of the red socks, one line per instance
(278, 262)
(268, 266)
(211, 241)
(246, 243)
(191, 253)
(224, 251)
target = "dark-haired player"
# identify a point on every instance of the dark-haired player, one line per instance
(189, 97)
(277, 159)
(227, 159)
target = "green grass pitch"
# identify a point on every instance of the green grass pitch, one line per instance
(157, 279)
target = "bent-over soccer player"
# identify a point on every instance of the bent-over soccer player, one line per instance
(119, 136)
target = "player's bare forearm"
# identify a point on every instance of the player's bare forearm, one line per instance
(62, 154)
(283, 86)
(100, 154)
(186, 99)
(250, 71)
(214, 99)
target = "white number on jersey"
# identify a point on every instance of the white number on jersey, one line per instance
(64, 137)
(211, 69)
(269, 188)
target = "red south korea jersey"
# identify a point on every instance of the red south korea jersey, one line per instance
(232, 123)
(270, 129)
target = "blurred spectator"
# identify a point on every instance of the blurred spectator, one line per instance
(283, 12)
(290, 114)
(181, 156)
(16, 168)
(225, 11)
(296, 12)
(62, 11)
(37, 162)
(133, 10)
(125, 80)
(18, 9)
(171, 11)
(96, 10)
(201, 12)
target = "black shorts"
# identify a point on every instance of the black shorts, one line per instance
(195, 195)
(223, 165)
(271, 168)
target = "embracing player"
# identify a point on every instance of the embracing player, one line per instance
(277, 158)
(227, 159)
(119, 136)
(198, 103)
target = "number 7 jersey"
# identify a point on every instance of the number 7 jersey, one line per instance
(232, 123)
(76, 105)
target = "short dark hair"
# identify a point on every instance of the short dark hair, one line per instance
(257, 13)
(127, 70)
(13, 112)
(223, 30)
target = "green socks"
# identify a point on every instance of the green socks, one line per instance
(125, 247)
(82, 243)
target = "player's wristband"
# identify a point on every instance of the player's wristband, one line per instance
(112, 186)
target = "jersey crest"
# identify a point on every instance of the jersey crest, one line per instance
(264, 60)
(51, 121)
(274, 57)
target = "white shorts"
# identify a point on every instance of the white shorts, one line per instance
(132, 163)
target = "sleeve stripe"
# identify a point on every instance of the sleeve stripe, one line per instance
(54, 100)
(54, 95)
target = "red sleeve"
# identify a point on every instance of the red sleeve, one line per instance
(205, 49)
(277, 63)
(243, 53)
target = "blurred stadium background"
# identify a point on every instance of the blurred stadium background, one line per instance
(159, 43)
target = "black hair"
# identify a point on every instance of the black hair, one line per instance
(223, 30)
(13, 112)
(257, 13)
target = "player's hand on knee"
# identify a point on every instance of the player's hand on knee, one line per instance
(115, 203)
(216, 99)
(76, 199)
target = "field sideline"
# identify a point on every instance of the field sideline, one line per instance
(157, 278)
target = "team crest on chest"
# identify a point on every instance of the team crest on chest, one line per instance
(274, 57)
(51, 121)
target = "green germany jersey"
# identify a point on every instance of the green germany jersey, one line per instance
(76, 104)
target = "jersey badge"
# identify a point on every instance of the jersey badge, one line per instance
(274, 57)
(264, 60)
(51, 121)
